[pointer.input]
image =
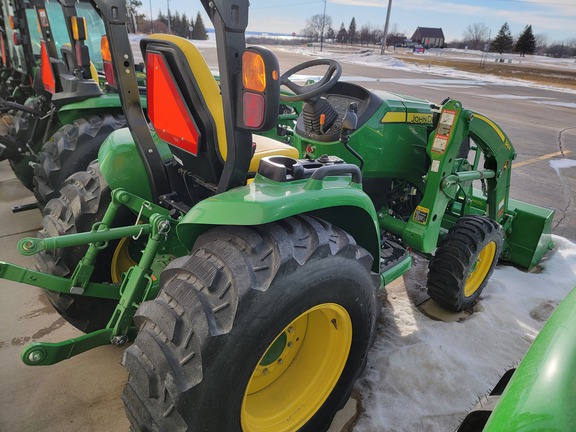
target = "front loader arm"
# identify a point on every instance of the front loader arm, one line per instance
(443, 182)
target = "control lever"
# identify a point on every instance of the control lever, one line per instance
(349, 125)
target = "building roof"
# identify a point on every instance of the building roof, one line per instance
(429, 32)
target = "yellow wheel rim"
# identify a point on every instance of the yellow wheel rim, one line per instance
(480, 269)
(121, 260)
(298, 371)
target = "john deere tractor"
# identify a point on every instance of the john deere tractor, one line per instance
(245, 270)
(69, 110)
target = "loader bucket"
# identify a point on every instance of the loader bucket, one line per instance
(530, 236)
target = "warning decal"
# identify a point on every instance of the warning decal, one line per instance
(446, 122)
(439, 144)
(501, 208)
(443, 132)
(420, 215)
(43, 16)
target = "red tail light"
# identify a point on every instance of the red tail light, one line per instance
(48, 79)
(16, 38)
(254, 109)
(107, 58)
(260, 89)
(109, 73)
(168, 113)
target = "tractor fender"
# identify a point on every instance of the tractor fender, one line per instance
(540, 394)
(105, 103)
(121, 165)
(336, 200)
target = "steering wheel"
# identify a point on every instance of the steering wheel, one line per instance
(305, 92)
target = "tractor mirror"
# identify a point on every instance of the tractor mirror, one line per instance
(260, 92)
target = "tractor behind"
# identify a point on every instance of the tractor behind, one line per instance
(245, 270)
(59, 113)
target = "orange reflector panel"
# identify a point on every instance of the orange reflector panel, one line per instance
(3, 49)
(109, 73)
(79, 28)
(48, 79)
(105, 49)
(12, 22)
(253, 72)
(253, 109)
(166, 109)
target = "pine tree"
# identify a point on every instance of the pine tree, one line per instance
(161, 17)
(330, 34)
(503, 41)
(526, 43)
(199, 31)
(176, 24)
(185, 26)
(352, 30)
(342, 34)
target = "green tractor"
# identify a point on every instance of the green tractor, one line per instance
(69, 110)
(244, 270)
(537, 395)
(17, 51)
(74, 105)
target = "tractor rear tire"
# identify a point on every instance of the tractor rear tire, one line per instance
(20, 129)
(464, 261)
(261, 328)
(83, 201)
(70, 150)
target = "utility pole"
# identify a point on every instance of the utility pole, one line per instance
(151, 19)
(169, 27)
(323, 24)
(385, 36)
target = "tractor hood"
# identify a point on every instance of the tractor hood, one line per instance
(405, 109)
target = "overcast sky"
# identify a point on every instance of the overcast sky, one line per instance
(556, 18)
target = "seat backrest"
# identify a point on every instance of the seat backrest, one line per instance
(185, 104)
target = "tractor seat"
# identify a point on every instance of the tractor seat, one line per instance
(201, 94)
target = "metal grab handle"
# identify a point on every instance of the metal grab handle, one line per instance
(338, 170)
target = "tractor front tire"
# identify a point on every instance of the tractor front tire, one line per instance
(70, 150)
(83, 201)
(464, 261)
(260, 329)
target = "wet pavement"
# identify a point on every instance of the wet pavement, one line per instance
(79, 394)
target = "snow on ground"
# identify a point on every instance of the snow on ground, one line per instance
(425, 375)
(371, 58)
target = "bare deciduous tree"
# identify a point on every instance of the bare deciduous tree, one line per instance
(476, 35)
(316, 24)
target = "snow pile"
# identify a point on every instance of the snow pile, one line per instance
(424, 375)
